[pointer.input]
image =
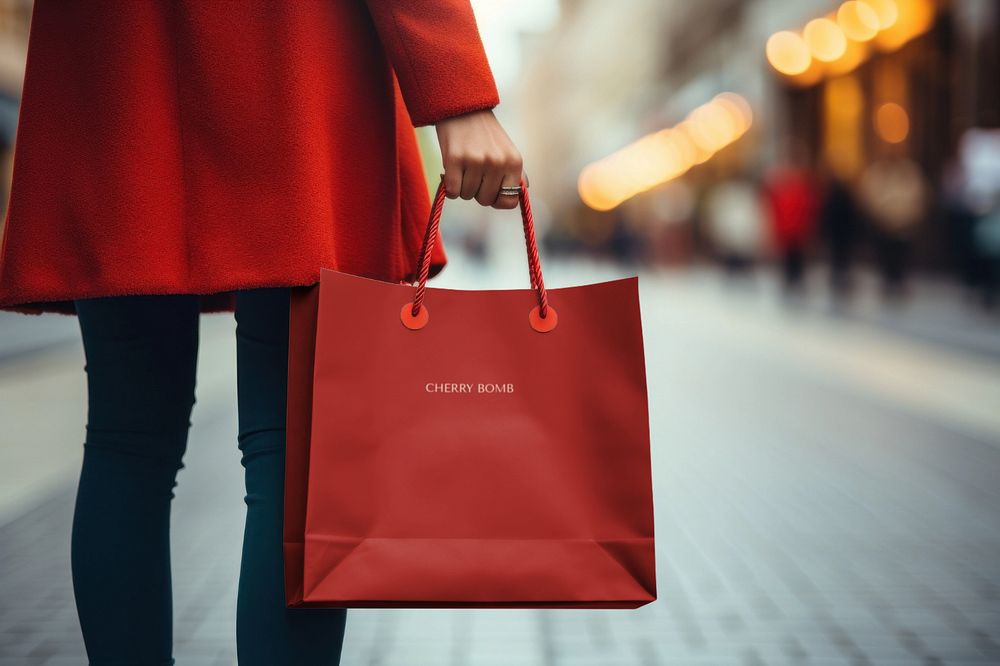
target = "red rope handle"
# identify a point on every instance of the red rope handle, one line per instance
(430, 235)
(534, 263)
(531, 246)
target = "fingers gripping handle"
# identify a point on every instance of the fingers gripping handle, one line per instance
(542, 317)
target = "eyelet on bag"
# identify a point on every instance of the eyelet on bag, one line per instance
(543, 325)
(411, 321)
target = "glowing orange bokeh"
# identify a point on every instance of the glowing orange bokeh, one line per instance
(858, 20)
(825, 39)
(836, 44)
(787, 52)
(664, 155)
(887, 12)
(915, 17)
(892, 123)
(854, 55)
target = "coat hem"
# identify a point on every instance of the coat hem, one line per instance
(212, 300)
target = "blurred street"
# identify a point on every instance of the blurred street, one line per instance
(825, 489)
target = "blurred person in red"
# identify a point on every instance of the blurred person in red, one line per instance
(179, 156)
(792, 201)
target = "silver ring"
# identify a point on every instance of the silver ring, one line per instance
(512, 190)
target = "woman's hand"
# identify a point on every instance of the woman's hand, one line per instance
(478, 159)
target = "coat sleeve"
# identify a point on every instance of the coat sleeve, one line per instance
(437, 54)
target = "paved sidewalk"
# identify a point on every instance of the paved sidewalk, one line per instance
(22, 335)
(825, 494)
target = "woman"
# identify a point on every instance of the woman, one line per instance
(179, 156)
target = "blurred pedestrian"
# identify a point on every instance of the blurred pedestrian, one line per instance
(734, 222)
(960, 220)
(894, 194)
(793, 202)
(973, 187)
(987, 242)
(841, 227)
(173, 153)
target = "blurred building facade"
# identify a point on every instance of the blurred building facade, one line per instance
(907, 95)
(15, 18)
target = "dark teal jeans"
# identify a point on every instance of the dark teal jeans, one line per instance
(141, 356)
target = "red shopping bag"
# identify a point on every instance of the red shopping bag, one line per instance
(452, 448)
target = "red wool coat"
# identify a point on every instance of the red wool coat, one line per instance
(193, 146)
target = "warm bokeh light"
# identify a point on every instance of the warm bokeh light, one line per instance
(593, 194)
(788, 53)
(684, 139)
(892, 123)
(914, 19)
(738, 108)
(887, 12)
(843, 113)
(713, 126)
(662, 156)
(838, 43)
(825, 39)
(858, 20)
(854, 55)
(813, 75)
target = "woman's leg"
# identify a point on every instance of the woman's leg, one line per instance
(268, 633)
(141, 354)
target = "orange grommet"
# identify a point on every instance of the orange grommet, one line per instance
(540, 324)
(414, 321)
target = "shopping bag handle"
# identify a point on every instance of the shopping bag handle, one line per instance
(542, 317)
